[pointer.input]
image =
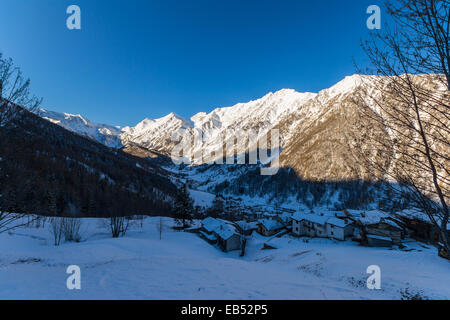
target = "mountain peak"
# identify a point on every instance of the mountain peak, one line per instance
(347, 84)
(108, 135)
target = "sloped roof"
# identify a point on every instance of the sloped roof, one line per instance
(247, 225)
(298, 216)
(322, 220)
(225, 231)
(373, 236)
(210, 224)
(316, 219)
(338, 222)
(211, 237)
(286, 216)
(417, 214)
(221, 228)
(392, 223)
(270, 224)
(372, 217)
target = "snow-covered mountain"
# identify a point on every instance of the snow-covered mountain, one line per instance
(156, 135)
(217, 126)
(105, 134)
(322, 136)
(297, 116)
(318, 131)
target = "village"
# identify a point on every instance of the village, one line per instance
(372, 228)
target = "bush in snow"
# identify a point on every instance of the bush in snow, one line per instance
(65, 228)
(118, 226)
(57, 230)
(406, 294)
(71, 229)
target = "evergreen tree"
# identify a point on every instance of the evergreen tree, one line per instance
(184, 207)
(217, 208)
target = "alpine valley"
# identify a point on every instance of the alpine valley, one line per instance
(320, 142)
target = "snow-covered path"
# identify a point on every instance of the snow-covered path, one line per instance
(183, 266)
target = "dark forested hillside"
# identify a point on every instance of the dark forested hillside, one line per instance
(45, 169)
(286, 185)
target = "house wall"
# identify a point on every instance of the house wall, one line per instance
(205, 231)
(385, 231)
(297, 228)
(423, 231)
(378, 243)
(233, 243)
(309, 229)
(339, 233)
(263, 231)
(336, 232)
(349, 231)
(319, 230)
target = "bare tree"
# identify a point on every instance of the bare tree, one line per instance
(160, 226)
(14, 91)
(10, 221)
(410, 98)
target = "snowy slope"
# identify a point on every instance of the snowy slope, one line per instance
(183, 266)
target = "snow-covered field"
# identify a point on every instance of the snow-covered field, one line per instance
(183, 266)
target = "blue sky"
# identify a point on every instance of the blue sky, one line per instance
(135, 59)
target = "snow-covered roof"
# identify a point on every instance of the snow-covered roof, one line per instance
(322, 220)
(414, 214)
(221, 228)
(285, 217)
(245, 225)
(338, 222)
(392, 223)
(373, 236)
(346, 213)
(372, 217)
(316, 219)
(417, 214)
(270, 224)
(341, 214)
(210, 224)
(225, 231)
(211, 237)
(298, 216)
